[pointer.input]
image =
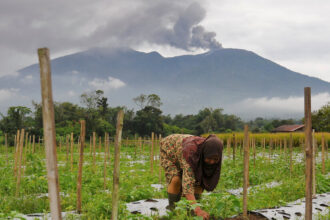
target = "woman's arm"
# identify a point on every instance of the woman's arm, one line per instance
(198, 211)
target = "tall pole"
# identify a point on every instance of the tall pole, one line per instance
(81, 161)
(323, 154)
(152, 153)
(6, 146)
(115, 191)
(20, 153)
(309, 154)
(314, 147)
(49, 133)
(246, 169)
(72, 142)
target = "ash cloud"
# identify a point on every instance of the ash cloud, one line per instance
(187, 33)
(84, 24)
(163, 23)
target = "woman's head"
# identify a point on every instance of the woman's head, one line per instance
(211, 155)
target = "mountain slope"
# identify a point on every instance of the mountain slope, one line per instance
(185, 83)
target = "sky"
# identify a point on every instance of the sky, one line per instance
(294, 34)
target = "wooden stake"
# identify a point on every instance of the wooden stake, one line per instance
(228, 146)
(90, 145)
(116, 171)
(314, 146)
(33, 143)
(323, 154)
(291, 148)
(140, 144)
(264, 147)
(234, 147)
(309, 152)
(21, 143)
(60, 147)
(67, 148)
(105, 161)
(81, 161)
(94, 147)
(160, 167)
(30, 145)
(246, 169)
(270, 149)
(49, 133)
(17, 151)
(100, 144)
(152, 153)
(6, 148)
(254, 152)
(71, 142)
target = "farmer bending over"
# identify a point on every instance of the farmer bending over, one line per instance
(191, 165)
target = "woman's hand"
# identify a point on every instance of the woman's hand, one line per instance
(200, 212)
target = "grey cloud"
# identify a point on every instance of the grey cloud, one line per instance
(63, 25)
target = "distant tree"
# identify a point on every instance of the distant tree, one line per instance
(148, 120)
(17, 117)
(321, 118)
(150, 100)
(102, 104)
(154, 101)
(90, 99)
(140, 100)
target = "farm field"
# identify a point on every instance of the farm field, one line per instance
(271, 182)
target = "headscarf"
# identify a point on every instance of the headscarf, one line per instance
(195, 151)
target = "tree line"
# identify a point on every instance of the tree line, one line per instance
(101, 118)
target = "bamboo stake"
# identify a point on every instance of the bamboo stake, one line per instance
(25, 152)
(246, 170)
(116, 171)
(33, 143)
(264, 147)
(228, 146)
(26, 140)
(314, 146)
(67, 148)
(49, 133)
(94, 147)
(140, 144)
(71, 143)
(21, 143)
(100, 144)
(6, 148)
(323, 154)
(160, 167)
(270, 148)
(326, 150)
(234, 147)
(30, 145)
(152, 153)
(309, 156)
(17, 151)
(90, 145)
(291, 148)
(60, 145)
(15, 141)
(254, 153)
(81, 160)
(105, 161)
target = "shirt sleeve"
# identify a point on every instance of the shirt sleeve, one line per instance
(188, 177)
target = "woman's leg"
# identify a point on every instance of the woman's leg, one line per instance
(175, 185)
(174, 192)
